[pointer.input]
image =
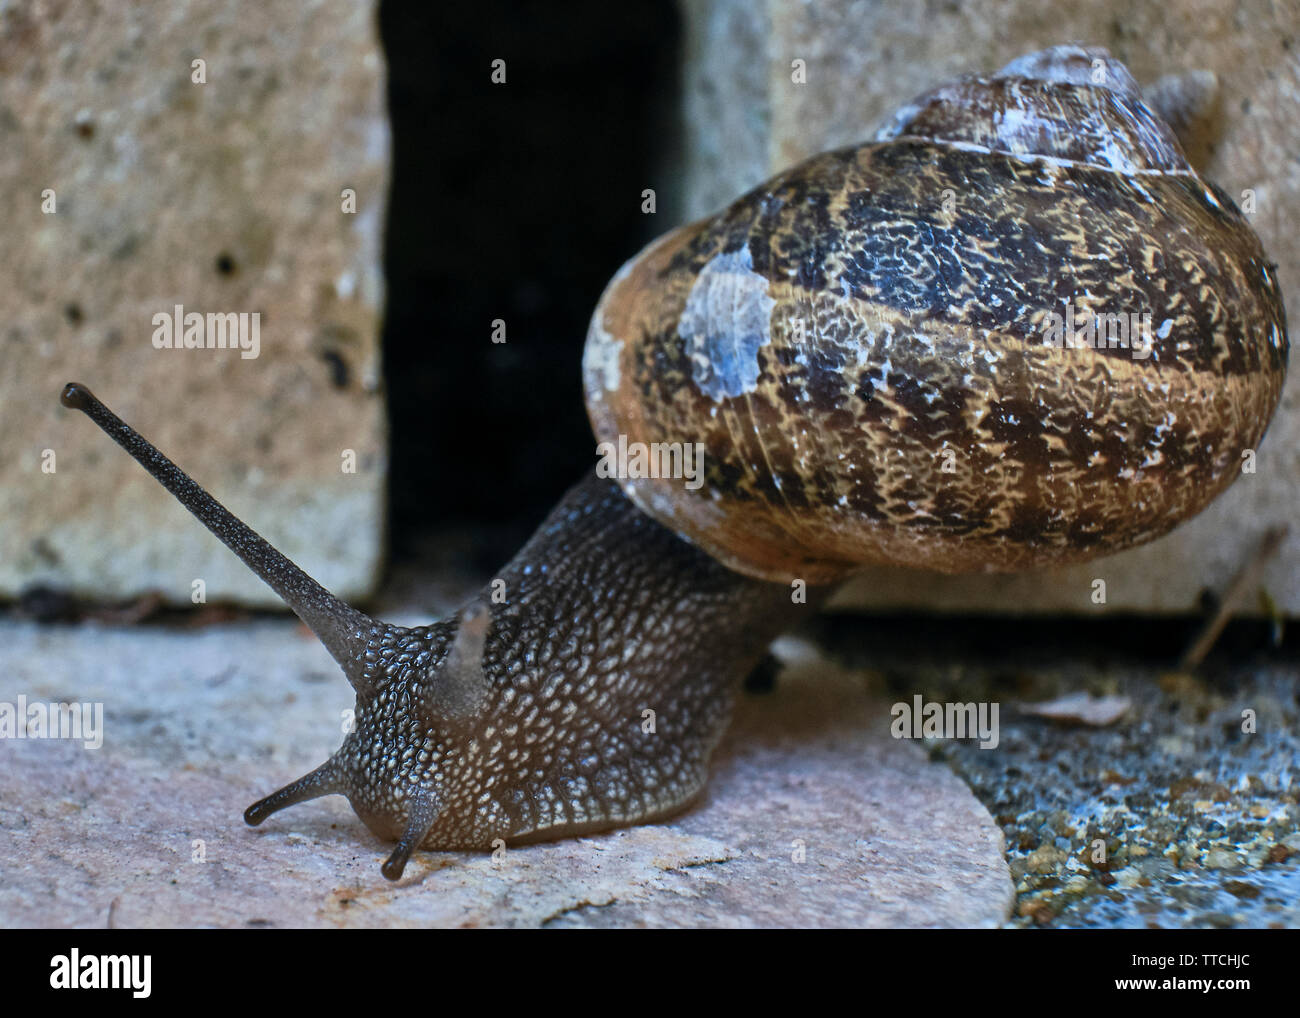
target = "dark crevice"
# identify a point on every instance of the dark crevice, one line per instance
(514, 202)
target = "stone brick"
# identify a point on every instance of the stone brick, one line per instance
(221, 196)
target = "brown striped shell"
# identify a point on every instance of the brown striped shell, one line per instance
(863, 348)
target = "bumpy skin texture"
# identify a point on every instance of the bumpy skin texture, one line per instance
(607, 615)
(859, 344)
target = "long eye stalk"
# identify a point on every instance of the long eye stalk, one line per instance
(340, 627)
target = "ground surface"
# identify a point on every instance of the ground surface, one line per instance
(1199, 818)
(1170, 816)
(814, 815)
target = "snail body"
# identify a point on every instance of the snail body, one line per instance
(863, 362)
(526, 719)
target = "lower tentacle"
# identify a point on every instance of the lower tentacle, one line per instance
(324, 780)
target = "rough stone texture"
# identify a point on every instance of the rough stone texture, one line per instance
(1194, 791)
(222, 197)
(199, 724)
(747, 120)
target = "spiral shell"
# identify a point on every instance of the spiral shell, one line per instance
(865, 347)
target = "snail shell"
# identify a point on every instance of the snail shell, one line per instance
(861, 344)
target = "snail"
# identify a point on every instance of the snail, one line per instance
(863, 350)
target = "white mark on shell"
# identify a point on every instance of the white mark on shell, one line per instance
(600, 357)
(726, 321)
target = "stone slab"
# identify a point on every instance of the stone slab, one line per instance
(200, 724)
